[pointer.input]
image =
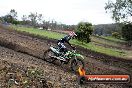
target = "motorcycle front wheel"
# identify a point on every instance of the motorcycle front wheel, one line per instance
(75, 64)
(48, 56)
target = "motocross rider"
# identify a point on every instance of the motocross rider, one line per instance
(66, 39)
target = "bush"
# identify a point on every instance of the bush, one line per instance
(116, 35)
(83, 31)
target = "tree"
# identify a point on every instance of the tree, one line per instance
(40, 16)
(1, 19)
(10, 17)
(121, 9)
(84, 30)
(24, 18)
(13, 13)
(33, 18)
(127, 33)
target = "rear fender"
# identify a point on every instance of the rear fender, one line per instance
(54, 50)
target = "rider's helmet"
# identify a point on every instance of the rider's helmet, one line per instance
(72, 34)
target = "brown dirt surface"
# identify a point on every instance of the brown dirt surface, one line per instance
(28, 71)
(18, 63)
(32, 49)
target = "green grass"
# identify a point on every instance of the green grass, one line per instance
(113, 39)
(55, 35)
(45, 33)
(103, 41)
(108, 51)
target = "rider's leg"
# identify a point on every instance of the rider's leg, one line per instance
(60, 46)
(63, 47)
(65, 50)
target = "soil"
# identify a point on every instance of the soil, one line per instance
(26, 51)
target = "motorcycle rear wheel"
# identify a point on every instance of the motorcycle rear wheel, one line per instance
(48, 56)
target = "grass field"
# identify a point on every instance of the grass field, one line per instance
(113, 39)
(45, 33)
(105, 42)
(109, 51)
(91, 45)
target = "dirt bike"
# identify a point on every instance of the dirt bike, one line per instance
(75, 59)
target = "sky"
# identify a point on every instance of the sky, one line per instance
(63, 11)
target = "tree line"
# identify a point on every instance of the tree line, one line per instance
(83, 29)
(34, 20)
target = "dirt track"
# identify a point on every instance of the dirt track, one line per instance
(36, 47)
(52, 73)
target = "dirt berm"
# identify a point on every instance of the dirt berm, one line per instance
(22, 42)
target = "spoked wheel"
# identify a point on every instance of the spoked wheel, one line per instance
(48, 56)
(75, 64)
(82, 80)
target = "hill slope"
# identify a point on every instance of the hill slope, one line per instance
(33, 46)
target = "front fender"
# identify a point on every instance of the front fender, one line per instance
(79, 55)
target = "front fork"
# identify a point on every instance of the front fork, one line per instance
(75, 58)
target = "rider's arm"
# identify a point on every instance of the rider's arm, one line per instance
(67, 39)
(69, 43)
